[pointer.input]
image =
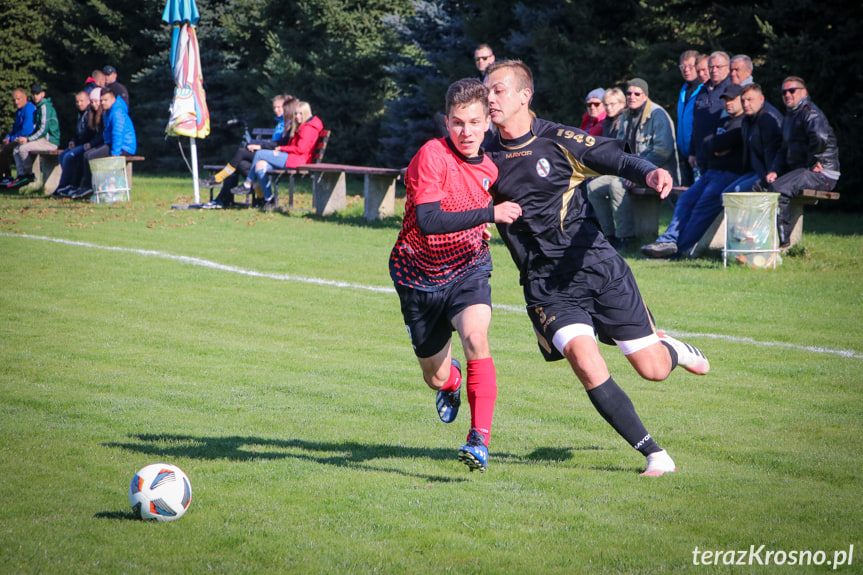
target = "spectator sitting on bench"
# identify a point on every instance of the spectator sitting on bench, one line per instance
(295, 153)
(762, 137)
(242, 159)
(808, 158)
(118, 135)
(45, 136)
(22, 126)
(88, 135)
(698, 205)
(649, 131)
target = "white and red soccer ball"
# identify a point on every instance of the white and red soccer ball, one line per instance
(160, 491)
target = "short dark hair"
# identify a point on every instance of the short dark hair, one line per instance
(109, 90)
(466, 91)
(753, 87)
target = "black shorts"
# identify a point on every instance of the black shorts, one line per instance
(428, 314)
(604, 296)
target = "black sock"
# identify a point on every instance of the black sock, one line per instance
(672, 352)
(616, 408)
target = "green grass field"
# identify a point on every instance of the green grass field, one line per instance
(208, 340)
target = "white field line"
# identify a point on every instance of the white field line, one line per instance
(339, 284)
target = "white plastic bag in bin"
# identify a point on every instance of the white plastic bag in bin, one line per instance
(109, 180)
(750, 227)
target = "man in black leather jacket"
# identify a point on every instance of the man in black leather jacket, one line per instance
(809, 156)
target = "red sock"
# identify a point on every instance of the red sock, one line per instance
(481, 394)
(454, 379)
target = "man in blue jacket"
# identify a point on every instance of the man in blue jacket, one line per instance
(685, 108)
(118, 135)
(23, 126)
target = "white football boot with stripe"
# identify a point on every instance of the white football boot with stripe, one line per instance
(689, 357)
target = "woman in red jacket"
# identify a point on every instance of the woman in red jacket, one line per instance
(296, 152)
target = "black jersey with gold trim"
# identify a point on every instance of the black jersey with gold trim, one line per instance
(542, 171)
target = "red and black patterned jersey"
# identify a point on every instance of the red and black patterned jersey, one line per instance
(440, 173)
(542, 171)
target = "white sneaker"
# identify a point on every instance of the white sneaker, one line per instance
(658, 464)
(688, 356)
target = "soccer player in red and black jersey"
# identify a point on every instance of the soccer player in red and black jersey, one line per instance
(576, 286)
(441, 264)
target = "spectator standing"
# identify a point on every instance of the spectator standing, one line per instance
(483, 57)
(709, 108)
(809, 156)
(25, 113)
(702, 62)
(576, 286)
(88, 135)
(685, 107)
(594, 118)
(117, 88)
(698, 205)
(118, 135)
(95, 80)
(45, 136)
(740, 70)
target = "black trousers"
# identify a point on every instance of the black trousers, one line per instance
(789, 185)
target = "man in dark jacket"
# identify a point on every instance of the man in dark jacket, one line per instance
(762, 137)
(698, 205)
(809, 156)
(708, 109)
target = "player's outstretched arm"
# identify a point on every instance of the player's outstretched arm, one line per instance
(506, 212)
(661, 181)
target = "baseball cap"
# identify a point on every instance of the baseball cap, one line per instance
(108, 70)
(731, 92)
(36, 89)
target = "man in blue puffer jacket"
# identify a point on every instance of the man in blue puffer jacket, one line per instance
(118, 135)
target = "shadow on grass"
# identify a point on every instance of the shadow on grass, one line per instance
(120, 515)
(341, 454)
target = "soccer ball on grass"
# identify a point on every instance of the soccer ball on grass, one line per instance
(160, 491)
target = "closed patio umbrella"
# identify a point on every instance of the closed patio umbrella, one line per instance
(189, 114)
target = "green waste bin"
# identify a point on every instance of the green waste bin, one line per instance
(109, 180)
(750, 229)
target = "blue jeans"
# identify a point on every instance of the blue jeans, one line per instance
(697, 207)
(275, 160)
(704, 208)
(71, 166)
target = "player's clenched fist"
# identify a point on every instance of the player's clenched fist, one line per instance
(506, 212)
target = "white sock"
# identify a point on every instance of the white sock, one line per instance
(659, 463)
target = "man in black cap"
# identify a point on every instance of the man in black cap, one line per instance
(116, 87)
(699, 204)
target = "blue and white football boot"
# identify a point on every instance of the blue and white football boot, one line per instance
(448, 402)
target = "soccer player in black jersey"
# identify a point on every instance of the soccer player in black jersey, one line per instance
(576, 286)
(441, 264)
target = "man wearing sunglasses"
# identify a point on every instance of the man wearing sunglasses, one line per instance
(483, 57)
(809, 156)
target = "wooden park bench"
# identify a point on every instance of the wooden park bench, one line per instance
(645, 209)
(46, 168)
(329, 191)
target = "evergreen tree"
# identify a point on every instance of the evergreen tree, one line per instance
(22, 58)
(438, 52)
